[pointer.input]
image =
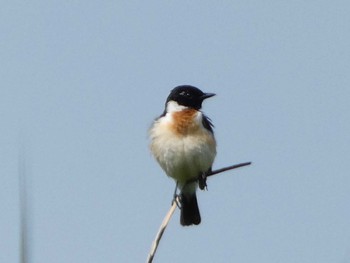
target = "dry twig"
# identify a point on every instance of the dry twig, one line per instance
(162, 229)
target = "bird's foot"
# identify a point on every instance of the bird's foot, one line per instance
(202, 181)
(176, 197)
(176, 200)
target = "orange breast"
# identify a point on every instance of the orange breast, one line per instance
(185, 122)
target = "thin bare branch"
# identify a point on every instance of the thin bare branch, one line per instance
(228, 168)
(161, 230)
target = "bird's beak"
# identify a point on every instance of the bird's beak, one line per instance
(207, 95)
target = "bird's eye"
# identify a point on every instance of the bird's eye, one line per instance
(185, 94)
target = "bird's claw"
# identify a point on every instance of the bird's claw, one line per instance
(176, 200)
(202, 181)
(176, 197)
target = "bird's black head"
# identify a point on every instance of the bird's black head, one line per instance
(188, 96)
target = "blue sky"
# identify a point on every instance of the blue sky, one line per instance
(81, 83)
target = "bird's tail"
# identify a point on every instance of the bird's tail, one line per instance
(189, 209)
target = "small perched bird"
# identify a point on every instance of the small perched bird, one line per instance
(183, 143)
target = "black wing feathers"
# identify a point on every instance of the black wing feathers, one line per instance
(207, 124)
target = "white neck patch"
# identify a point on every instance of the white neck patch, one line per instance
(173, 106)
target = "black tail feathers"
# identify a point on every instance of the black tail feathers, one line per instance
(189, 210)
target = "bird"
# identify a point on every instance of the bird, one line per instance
(183, 143)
